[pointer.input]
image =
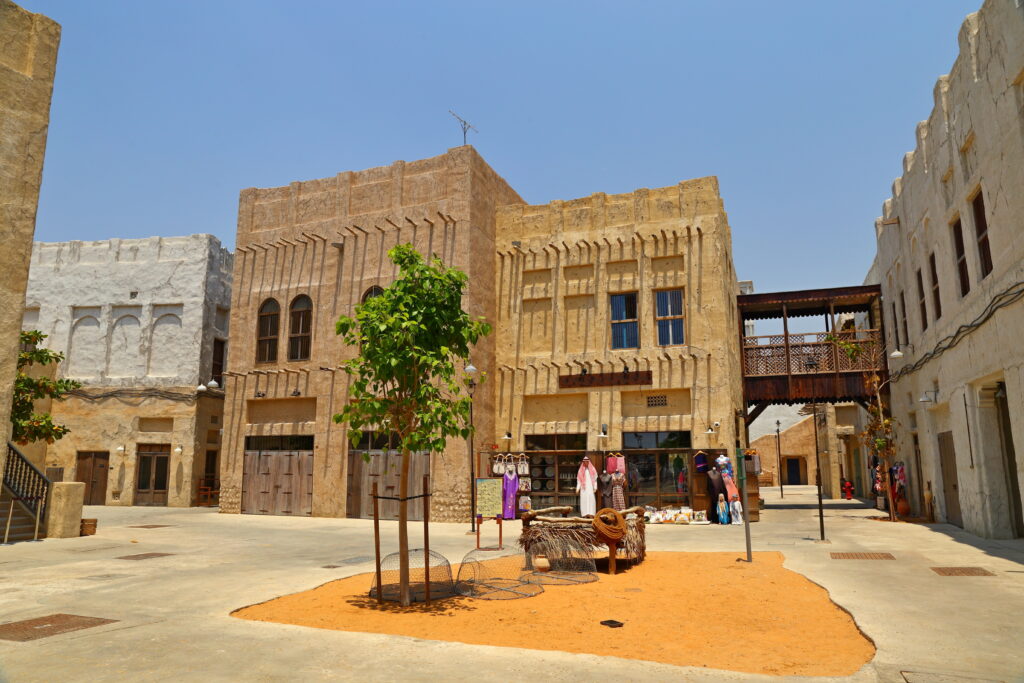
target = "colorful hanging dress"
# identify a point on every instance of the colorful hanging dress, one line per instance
(509, 491)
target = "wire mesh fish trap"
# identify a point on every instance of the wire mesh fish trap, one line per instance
(561, 563)
(441, 584)
(502, 577)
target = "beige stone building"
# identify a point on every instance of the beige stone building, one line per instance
(28, 59)
(143, 325)
(306, 254)
(950, 263)
(617, 332)
(614, 325)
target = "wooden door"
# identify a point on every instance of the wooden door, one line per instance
(277, 483)
(92, 469)
(153, 465)
(950, 484)
(384, 468)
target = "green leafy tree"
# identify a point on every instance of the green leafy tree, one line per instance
(412, 340)
(29, 425)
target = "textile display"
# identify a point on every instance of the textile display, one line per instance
(509, 492)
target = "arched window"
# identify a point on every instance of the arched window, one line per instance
(300, 329)
(372, 292)
(266, 331)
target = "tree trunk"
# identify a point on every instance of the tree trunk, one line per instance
(403, 532)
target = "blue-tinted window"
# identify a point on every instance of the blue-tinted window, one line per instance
(625, 329)
(669, 316)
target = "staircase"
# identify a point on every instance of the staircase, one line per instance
(27, 488)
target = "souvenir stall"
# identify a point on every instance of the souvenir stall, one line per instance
(678, 486)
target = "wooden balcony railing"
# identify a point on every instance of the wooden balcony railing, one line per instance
(811, 354)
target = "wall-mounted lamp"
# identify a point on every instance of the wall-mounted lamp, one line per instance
(897, 354)
(604, 432)
(119, 449)
(177, 450)
(212, 384)
(929, 397)
(260, 394)
(296, 392)
(201, 388)
(508, 435)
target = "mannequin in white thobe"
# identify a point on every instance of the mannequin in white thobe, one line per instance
(586, 487)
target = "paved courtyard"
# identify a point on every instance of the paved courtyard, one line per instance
(172, 612)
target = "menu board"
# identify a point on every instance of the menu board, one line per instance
(488, 497)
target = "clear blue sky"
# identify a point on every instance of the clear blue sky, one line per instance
(163, 111)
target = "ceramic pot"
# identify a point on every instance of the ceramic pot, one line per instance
(541, 563)
(902, 507)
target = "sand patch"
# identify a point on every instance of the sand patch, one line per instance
(687, 609)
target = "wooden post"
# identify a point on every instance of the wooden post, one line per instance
(39, 509)
(10, 514)
(613, 549)
(501, 543)
(785, 332)
(376, 542)
(426, 538)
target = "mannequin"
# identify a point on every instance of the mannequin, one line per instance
(586, 486)
(604, 484)
(618, 491)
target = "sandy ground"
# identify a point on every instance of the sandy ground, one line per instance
(687, 609)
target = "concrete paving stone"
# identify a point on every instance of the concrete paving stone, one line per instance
(173, 613)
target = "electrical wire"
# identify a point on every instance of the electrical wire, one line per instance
(1008, 296)
(134, 393)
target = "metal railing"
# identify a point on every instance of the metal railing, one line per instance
(26, 483)
(811, 354)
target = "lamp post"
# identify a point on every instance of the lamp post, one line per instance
(470, 387)
(778, 453)
(817, 472)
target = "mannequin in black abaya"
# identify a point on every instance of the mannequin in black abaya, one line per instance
(715, 486)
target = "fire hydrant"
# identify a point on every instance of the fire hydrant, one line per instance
(848, 489)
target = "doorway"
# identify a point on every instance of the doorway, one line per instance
(950, 485)
(153, 464)
(793, 471)
(1009, 461)
(92, 468)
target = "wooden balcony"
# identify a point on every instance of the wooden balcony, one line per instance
(829, 366)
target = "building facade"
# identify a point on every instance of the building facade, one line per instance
(307, 254)
(143, 325)
(634, 292)
(617, 332)
(28, 60)
(950, 262)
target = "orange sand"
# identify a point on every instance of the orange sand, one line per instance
(687, 609)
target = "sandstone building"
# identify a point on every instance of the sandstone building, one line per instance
(28, 59)
(143, 324)
(614, 321)
(950, 262)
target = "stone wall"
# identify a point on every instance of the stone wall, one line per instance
(971, 146)
(131, 313)
(28, 59)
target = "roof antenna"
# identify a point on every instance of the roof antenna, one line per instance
(466, 126)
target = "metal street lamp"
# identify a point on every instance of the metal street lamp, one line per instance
(778, 453)
(470, 371)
